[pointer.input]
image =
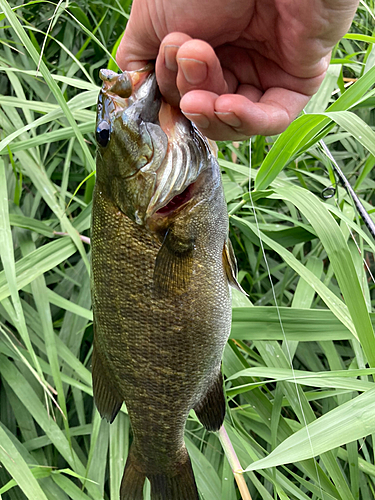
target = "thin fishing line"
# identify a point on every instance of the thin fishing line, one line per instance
(356, 203)
(358, 248)
(281, 325)
(360, 253)
(360, 208)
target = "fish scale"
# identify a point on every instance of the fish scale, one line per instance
(160, 285)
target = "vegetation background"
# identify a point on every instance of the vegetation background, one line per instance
(317, 313)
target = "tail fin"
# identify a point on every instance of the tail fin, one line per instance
(132, 480)
(179, 487)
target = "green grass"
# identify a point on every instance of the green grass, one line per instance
(300, 362)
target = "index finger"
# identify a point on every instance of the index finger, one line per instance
(235, 116)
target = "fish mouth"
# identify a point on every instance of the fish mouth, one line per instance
(131, 98)
(129, 85)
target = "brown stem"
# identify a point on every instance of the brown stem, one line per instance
(234, 463)
(85, 239)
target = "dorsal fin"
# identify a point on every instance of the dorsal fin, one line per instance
(230, 266)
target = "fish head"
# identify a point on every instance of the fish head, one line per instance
(128, 138)
(148, 152)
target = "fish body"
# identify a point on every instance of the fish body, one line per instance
(161, 268)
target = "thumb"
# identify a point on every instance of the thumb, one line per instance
(140, 44)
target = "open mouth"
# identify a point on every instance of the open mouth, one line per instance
(177, 201)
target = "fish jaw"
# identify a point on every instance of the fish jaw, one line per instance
(148, 152)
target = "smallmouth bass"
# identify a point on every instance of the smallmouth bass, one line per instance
(162, 264)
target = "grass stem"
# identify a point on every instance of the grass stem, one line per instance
(234, 463)
(85, 239)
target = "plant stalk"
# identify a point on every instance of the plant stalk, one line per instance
(234, 463)
(85, 239)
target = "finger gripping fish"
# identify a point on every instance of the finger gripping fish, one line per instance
(161, 268)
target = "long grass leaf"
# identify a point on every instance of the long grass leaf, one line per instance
(19, 469)
(36, 263)
(10, 269)
(334, 243)
(348, 422)
(335, 305)
(305, 128)
(16, 25)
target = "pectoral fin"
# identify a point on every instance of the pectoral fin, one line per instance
(173, 265)
(230, 266)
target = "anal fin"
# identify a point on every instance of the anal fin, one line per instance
(211, 409)
(107, 399)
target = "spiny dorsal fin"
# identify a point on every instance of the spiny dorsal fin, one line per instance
(230, 266)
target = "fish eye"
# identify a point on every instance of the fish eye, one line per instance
(102, 133)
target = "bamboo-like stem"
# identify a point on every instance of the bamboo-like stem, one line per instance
(237, 207)
(234, 463)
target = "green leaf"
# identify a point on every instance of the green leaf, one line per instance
(305, 129)
(36, 263)
(337, 379)
(305, 325)
(31, 224)
(340, 257)
(9, 275)
(338, 308)
(208, 481)
(350, 421)
(18, 468)
(48, 78)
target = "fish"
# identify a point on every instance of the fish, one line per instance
(162, 268)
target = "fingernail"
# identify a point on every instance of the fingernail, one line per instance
(194, 71)
(200, 121)
(228, 118)
(170, 53)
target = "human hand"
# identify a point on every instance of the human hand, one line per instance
(236, 68)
